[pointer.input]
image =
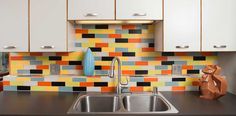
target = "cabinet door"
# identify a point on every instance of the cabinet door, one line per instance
(219, 25)
(91, 10)
(14, 25)
(182, 25)
(48, 26)
(139, 9)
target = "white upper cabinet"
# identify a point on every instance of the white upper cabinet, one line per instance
(219, 25)
(48, 26)
(139, 9)
(181, 26)
(14, 25)
(91, 9)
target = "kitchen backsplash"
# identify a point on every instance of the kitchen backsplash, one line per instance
(133, 44)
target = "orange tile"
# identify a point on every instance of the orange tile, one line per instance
(148, 49)
(101, 44)
(187, 67)
(105, 67)
(62, 62)
(115, 54)
(136, 89)
(161, 58)
(36, 54)
(6, 83)
(86, 84)
(42, 67)
(141, 63)
(107, 89)
(207, 54)
(16, 57)
(195, 83)
(134, 40)
(150, 79)
(128, 72)
(128, 26)
(114, 35)
(178, 88)
(83, 31)
(44, 84)
(79, 67)
(181, 54)
(62, 54)
(166, 72)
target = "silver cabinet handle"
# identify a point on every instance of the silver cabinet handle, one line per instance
(221, 46)
(9, 47)
(47, 47)
(182, 47)
(91, 15)
(139, 14)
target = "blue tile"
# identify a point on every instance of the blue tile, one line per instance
(23, 71)
(171, 84)
(122, 31)
(97, 58)
(180, 62)
(10, 88)
(147, 40)
(37, 79)
(136, 79)
(35, 62)
(68, 67)
(65, 89)
(79, 79)
(101, 36)
(121, 49)
(88, 26)
(128, 63)
(198, 67)
(163, 67)
(101, 72)
(78, 45)
(29, 58)
(148, 58)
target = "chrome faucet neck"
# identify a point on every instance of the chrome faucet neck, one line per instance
(112, 73)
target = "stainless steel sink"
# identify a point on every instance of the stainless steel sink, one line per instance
(96, 103)
(145, 103)
(123, 104)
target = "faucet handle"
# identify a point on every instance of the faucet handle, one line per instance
(127, 81)
(155, 90)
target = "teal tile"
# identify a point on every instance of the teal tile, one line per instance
(10, 88)
(121, 49)
(163, 67)
(101, 72)
(101, 36)
(171, 84)
(128, 63)
(88, 26)
(79, 79)
(122, 31)
(136, 79)
(65, 89)
(37, 79)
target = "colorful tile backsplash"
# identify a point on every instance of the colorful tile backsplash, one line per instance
(133, 44)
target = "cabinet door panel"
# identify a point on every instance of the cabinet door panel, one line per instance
(219, 25)
(14, 25)
(182, 25)
(48, 26)
(91, 10)
(139, 9)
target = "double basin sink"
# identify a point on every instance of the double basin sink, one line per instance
(118, 104)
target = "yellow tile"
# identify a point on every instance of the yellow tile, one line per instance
(134, 50)
(78, 36)
(148, 54)
(154, 72)
(94, 80)
(150, 63)
(102, 63)
(184, 72)
(94, 40)
(23, 79)
(64, 72)
(37, 88)
(157, 84)
(47, 88)
(102, 31)
(88, 45)
(71, 84)
(17, 83)
(125, 45)
(46, 72)
(108, 49)
(111, 84)
(65, 79)
(147, 89)
(185, 83)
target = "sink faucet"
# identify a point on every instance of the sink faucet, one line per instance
(112, 74)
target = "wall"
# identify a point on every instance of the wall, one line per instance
(228, 63)
(133, 44)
